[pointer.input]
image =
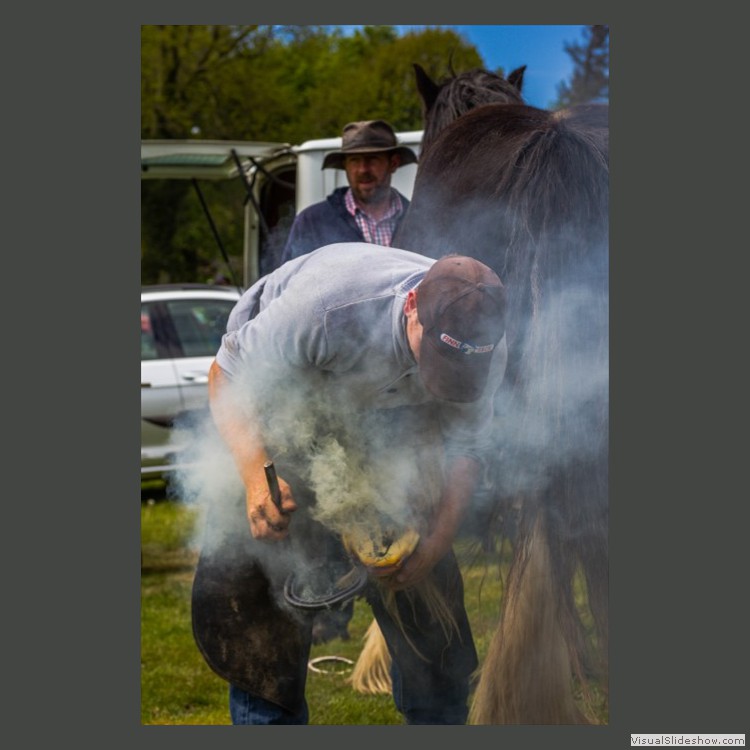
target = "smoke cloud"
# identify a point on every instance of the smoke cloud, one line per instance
(364, 465)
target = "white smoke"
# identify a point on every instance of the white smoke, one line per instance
(361, 464)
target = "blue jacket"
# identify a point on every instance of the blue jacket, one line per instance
(324, 223)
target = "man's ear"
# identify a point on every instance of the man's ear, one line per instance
(395, 162)
(411, 302)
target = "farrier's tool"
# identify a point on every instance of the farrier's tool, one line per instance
(273, 483)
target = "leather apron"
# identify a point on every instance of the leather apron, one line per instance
(246, 631)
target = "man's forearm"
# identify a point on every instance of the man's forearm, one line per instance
(238, 432)
(460, 482)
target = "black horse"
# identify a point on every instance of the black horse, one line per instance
(444, 102)
(525, 190)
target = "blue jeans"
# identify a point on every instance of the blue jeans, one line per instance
(249, 709)
(432, 688)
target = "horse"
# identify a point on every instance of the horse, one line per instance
(444, 102)
(525, 190)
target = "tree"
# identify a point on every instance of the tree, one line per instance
(590, 79)
(183, 68)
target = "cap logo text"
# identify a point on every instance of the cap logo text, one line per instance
(464, 347)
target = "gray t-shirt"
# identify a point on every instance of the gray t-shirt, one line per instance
(330, 324)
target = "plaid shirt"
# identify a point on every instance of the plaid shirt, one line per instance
(379, 232)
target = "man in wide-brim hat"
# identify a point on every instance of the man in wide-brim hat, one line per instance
(369, 137)
(369, 209)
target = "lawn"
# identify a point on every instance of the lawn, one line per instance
(178, 688)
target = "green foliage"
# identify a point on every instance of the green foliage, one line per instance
(166, 527)
(288, 83)
(173, 220)
(182, 70)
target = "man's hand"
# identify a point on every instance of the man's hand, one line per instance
(436, 541)
(246, 444)
(266, 521)
(419, 564)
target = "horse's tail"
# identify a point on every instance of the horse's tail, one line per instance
(527, 675)
(372, 671)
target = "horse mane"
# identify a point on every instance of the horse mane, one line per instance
(510, 183)
(444, 101)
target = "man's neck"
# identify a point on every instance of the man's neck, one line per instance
(375, 209)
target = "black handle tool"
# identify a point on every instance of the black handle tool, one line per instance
(273, 483)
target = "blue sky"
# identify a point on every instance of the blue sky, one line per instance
(539, 47)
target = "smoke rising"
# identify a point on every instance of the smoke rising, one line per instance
(363, 465)
(360, 466)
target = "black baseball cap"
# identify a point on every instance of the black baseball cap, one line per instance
(461, 306)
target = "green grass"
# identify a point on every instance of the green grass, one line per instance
(177, 687)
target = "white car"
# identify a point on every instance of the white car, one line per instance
(181, 330)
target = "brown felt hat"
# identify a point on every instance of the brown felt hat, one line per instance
(461, 306)
(368, 137)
